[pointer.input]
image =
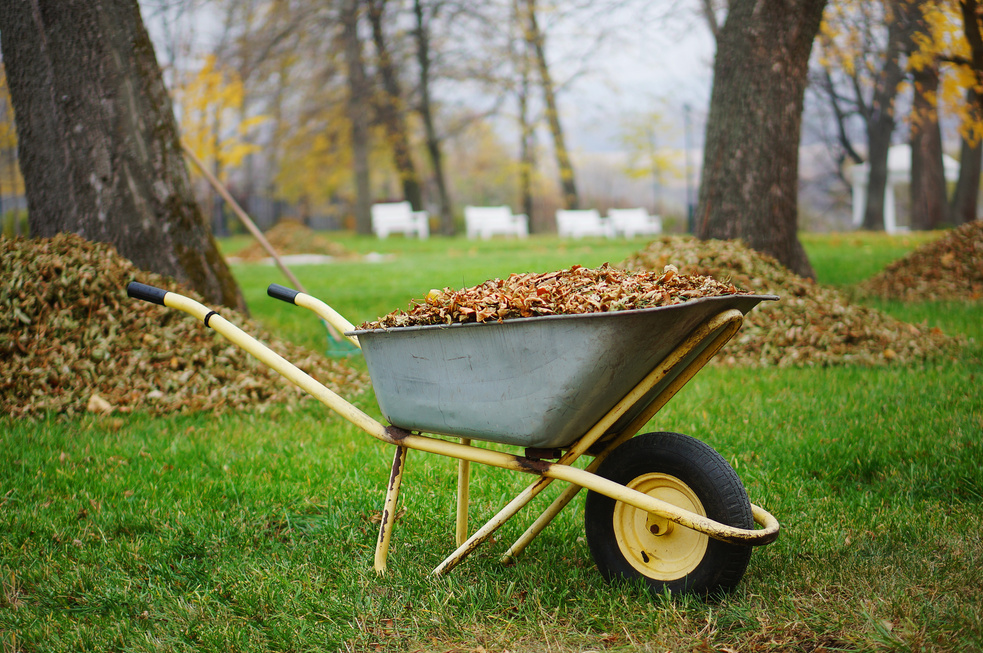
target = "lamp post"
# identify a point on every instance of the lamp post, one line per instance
(689, 194)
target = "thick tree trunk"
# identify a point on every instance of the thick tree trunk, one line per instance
(928, 192)
(749, 187)
(391, 110)
(357, 101)
(99, 146)
(535, 38)
(963, 206)
(422, 34)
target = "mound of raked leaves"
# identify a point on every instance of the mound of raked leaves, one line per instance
(811, 325)
(71, 340)
(291, 237)
(947, 269)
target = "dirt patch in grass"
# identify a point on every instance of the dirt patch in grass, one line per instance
(811, 325)
(950, 268)
(290, 237)
(71, 341)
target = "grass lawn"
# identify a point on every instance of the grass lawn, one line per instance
(255, 532)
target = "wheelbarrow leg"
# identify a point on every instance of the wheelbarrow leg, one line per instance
(463, 498)
(486, 531)
(389, 510)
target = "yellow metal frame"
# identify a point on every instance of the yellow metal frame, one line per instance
(678, 368)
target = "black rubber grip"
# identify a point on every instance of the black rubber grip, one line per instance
(146, 293)
(276, 291)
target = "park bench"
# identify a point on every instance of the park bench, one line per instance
(579, 223)
(486, 221)
(634, 222)
(399, 217)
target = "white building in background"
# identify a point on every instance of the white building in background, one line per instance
(898, 172)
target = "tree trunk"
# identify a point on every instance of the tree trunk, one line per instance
(749, 187)
(99, 147)
(928, 192)
(526, 147)
(536, 40)
(391, 110)
(965, 198)
(422, 34)
(880, 117)
(357, 101)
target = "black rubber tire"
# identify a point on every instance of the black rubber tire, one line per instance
(710, 478)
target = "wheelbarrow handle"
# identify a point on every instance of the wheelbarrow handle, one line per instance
(138, 290)
(322, 310)
(284, 294)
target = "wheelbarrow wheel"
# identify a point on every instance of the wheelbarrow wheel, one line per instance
(628, 544)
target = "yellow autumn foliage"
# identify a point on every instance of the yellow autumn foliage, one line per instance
(210, 105)
(11, 181)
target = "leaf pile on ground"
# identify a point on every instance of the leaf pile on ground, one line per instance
(564, 292)
(288, 237)
(71, 340)
(950, 268)
(811, 325)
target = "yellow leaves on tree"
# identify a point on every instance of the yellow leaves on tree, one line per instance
(316, 163)
(846, 43)
(640, 135)
(210, 106)
(11, 181)
(943, 43)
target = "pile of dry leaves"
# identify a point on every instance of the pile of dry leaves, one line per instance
(577, 290)
(71, 340)
(292, 237)
(811, 325)
(950, 268)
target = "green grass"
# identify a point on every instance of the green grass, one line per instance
(254, 532)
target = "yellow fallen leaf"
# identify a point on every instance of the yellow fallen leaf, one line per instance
(98, 405)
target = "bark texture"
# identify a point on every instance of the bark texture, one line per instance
(963, 205)
(879, 116)
(749, 187)
(391, 111)
(928, 189)
(422, 36)
(534, 36)
(98, 143)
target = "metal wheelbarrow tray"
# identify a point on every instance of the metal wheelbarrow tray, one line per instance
(662, 508)
(537, 382)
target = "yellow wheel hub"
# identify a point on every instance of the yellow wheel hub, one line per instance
(653, 545)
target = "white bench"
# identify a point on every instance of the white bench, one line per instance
(486, 221)
(399, 217)
(579, 223)
(634, 222)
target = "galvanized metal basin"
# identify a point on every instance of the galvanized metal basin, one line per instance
(535, 382)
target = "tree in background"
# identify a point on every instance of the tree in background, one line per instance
(391, 107)
(861, 45)
(11, 180)
(424, 14)
(536, 39)
(749, 186)
(98, 144)
(358, 100)
(946, 40)
(646, 157)
(212, 123)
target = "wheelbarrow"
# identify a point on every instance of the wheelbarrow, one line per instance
(662, 508)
